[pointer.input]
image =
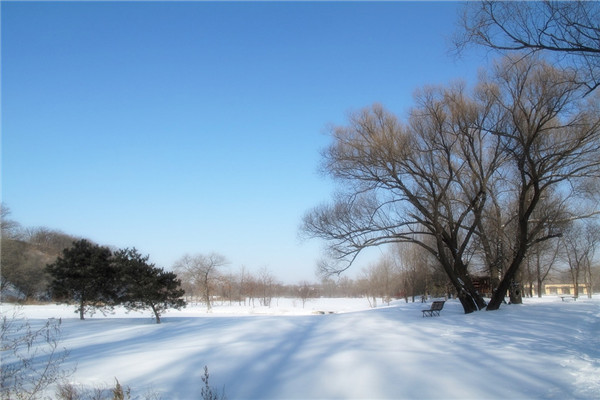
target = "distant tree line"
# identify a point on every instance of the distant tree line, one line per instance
(42, 264)
(97, 278)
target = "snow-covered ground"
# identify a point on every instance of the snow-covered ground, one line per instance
(543, 349)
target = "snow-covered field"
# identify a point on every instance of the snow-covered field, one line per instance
(543, 349)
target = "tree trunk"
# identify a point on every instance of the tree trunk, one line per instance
(576, 285)
(456, 270)
(498, 295)
(207, 292)
(468, 303)
(470, 299)
(515, 293)
(538, 273)
(507, 284)
(588, 280)
(507, 280)
(81, 309)
(156, 315)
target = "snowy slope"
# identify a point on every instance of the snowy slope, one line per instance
(541, 349)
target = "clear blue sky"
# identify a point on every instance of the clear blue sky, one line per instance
(196, 127)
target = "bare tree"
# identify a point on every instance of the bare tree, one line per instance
(13, 249)
(524, 131)
(594, 276)
(415, 269)
(552, 138)
(386, 278)
(380, 280)
(31, 357)
(329, 287)
(580, 243)
(593, 240)
(243, 285)
(201, 272)
(10, 229)
(251, 288)
(305, 292)
(568, 30)
(368, 286)
(540, 261)
(266, 284)
(228, 288)
(410, 182)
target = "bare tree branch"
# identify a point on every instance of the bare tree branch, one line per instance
(568, 30)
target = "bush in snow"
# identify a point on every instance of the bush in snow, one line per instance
(209, 393)
(31, 358)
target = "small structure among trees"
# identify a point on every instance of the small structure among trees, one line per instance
(483, 285)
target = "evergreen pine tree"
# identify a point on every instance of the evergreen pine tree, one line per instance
(84, 274)
(144, 286)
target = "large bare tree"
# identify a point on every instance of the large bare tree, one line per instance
(465, 167)
(552, 137)
(418, 182)
(567, 30)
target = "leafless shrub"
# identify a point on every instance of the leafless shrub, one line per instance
(31, 358)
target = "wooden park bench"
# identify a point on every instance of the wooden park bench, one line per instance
(435, 309)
